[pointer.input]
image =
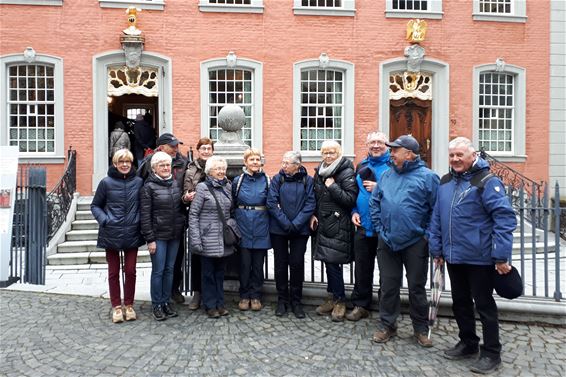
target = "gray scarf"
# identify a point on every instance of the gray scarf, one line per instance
(328, 171)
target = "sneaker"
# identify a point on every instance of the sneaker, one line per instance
(461, 351)
(357, 314)
(486, 365)
(117, 314)
(169, 311)
(177, 297)
(195, 302)
(222, 311)
(256, 305)
(130, 313)
(339, 312)
(212, 313)
(298, 311)
(383, 335)
(281, 309)
(158, 314)
(326, 307)
(244, 304)
(423, 339)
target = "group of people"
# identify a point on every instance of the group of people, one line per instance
(390, 207)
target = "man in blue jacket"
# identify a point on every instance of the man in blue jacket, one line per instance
(401, 206)
(368, 173)
(472, 229)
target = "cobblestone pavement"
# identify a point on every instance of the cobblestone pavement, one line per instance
(61, 335)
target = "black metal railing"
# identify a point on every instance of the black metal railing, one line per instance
(60, 198)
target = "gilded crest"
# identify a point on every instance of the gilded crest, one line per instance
(132, 13)
(416, 30)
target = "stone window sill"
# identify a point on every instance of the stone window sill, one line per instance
(142, 4)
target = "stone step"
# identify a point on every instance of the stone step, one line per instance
(84, 205)
(84, 215)
(527, 237)
(95, 257)
(83, 246)
(82, 235)
(539, 246)
(84, 225)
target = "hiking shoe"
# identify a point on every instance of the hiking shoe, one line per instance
(158, 314)
(130, 313)
(486, 365)
(281, 309)
(298, 311)
(117, 314)
(244, 304)
(326, 307)
(461, 351)
(256, 305)
(195, 301)
(177, 297)
(223, 311)
(169, 311)
(212, 313)
(423, 340)
(357, 314)
(339, 312)
(383, 335)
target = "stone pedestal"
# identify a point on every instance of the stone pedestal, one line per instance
(230, 146)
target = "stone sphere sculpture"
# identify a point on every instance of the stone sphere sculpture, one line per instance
(231, 118)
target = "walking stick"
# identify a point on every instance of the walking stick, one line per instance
(123, 273)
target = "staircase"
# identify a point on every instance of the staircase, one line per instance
(79, 247)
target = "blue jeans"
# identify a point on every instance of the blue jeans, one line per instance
(212, 282)
(162, 263)
(335, 281)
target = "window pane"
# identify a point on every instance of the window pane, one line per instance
(495, 113)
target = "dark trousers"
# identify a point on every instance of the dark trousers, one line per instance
(289, 254)
(335, 277)
(415, 260)
(251, 272)
(113, 259)
(365, 252)
(196, 273)
(212, 282)
(178, 268)
(473, 284)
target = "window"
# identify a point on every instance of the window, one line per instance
(325, 7)
(499, 110)
(142, 4)
(413, 8)
(33, 106)
(235, 6)
(236, 83)
(33, 2)
(500, 10)
(323, 106)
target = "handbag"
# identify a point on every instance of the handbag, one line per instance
(229, 234)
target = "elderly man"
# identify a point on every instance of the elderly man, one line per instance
(472, 229)
(401, 207)
(368, 173)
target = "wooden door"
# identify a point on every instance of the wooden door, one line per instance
(412, 116)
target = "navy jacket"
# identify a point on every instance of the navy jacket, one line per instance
(291, 203)
(116, 208)
(253, 223)
(472, 225)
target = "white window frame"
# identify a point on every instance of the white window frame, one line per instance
(57, 3)
(348, 128)
(348, 9)
(518, 13)
(257, 97)
(256, 6)
(142, 4)
(58, 155)
(519, 115)
(434, 11)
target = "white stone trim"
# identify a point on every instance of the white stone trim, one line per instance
(440, 105)
(142, 4)
(256, 6)
(518, 13)
(57, 3)
(434, 11)
(347, 9)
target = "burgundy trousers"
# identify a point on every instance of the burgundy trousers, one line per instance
(113, 259)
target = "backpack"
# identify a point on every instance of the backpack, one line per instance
(241, 179)
(479, 180)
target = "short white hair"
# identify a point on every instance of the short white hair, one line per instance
(213, 162)
(294, 156)
(331, 144)
(460, 140)
(159, 157)
(377, 135)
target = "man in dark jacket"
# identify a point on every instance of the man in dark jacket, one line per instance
(401, 207)
(144, 138)
(472, 229)
(368, 173)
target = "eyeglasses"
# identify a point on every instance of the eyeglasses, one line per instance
(127, 162)
(329, 153)
(205, 148)
(163, 166)
(287, 163)
(376, 142)
(219, 169)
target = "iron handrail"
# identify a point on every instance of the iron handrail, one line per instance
(60, 198)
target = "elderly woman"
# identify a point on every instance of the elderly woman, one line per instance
(116, 208)
(162, 223)
(291, 203)
(249, 191)
(210, 209)
(194, 175)
(336, 192)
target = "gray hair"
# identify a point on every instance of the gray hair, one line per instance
(294, 156)
(331, 144)
(159, 157)
(460, 140)
(213, 162)
(377, 135)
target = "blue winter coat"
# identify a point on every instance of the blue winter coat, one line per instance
(402, 203)
(291, 203)
(378, 165)
(253, 223)
(471, 225)
(116, 208)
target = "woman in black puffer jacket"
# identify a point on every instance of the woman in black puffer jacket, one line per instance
(116, 209)
(162, 224)
(336, 192)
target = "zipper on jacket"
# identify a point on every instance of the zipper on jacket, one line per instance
(450, 219)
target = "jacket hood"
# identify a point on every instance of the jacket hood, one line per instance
(163, 182)
(298, 176)
(215, 182)
(407, 165)
(479, 165)
(114, 173)
(383, 159)
(258, 174)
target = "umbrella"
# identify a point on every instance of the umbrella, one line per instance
(435, 293)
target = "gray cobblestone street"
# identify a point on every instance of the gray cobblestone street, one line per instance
(62, 335)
